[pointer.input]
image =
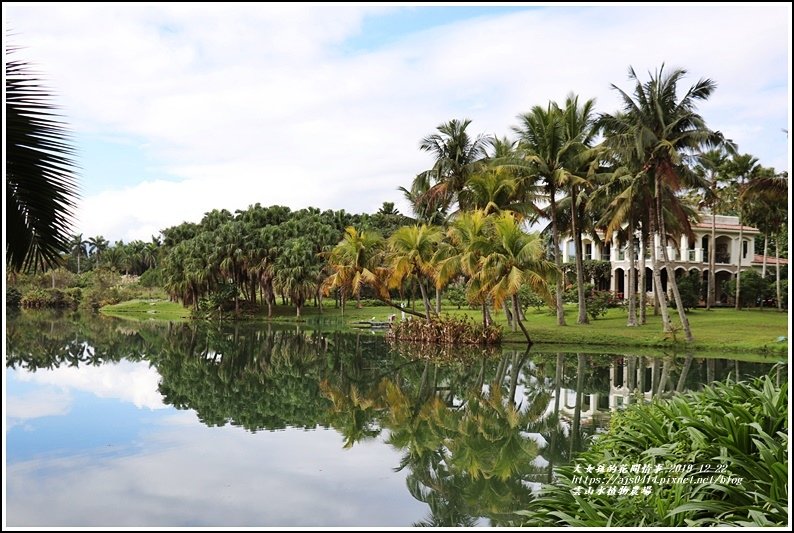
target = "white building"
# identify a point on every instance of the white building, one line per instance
(686, 255)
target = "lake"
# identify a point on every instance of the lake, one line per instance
(113, 423)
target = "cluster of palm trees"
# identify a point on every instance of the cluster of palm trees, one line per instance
(625, 173)
(133, 258)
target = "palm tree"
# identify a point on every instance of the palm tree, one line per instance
(411, 250)
(461, 255)
(515, 259)
(665, 132)
(741, 168)
(97, 245)
(79, 248)
(765, 197)
(542, 146)
(711, 165)
(352, 262)
(41, 180)
(456, 155)
(579, 162)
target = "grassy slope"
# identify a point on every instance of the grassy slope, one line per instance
(718, 331)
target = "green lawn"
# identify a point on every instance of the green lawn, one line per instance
(717, 331)
(147, 309)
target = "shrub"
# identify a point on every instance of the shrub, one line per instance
(728, 431)
(445, 329)
(690, 289)
(13, 297)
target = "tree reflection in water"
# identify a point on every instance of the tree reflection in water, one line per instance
(477, 430)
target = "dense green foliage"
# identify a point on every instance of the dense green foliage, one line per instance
(734, 433)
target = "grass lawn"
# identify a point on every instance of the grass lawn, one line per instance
(717, 332)
(147, 309)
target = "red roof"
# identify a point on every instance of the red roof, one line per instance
(769, 260)
(734, 227)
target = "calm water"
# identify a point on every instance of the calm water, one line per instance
(117, 423)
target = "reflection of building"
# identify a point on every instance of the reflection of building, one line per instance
(687, 255)
(627, 381)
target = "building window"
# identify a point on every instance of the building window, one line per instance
(744, 249)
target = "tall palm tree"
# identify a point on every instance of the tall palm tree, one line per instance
(41, 178)
(741, 168)
(665, 131)
(97, 246)
(79, 248)
(456, 155)
(711, 165)
(542, 146)
(580, 163)
(766, 201)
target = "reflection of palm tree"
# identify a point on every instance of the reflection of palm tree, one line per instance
(352, 414)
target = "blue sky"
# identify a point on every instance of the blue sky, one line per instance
(178, 109)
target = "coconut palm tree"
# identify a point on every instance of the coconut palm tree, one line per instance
(542, 147)
(41, 175)
(352, 262)
(741, 168)
(97, 246)
(665, 131)
(711, 165)
(580, 163)
(411, 252)
(515, 259)
(457, 155)
(79, 248)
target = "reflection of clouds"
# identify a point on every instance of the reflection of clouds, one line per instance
(199, 476)
(35, 404)
(127, 381)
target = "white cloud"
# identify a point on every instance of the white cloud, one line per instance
(20, 408)
(135, 383)
(191, 475)
(256, 103)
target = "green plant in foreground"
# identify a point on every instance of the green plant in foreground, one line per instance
(733, 436)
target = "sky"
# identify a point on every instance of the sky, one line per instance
(178, 109)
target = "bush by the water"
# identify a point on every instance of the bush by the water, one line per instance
(733, 436)
(446, 330)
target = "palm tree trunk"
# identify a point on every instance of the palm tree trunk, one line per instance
(777, 272)
(509, 316)
(517, 319)
(737, 304)
(577, 245)
(711, 297)
(659, 294)
(632, 288)
(577, 412)
(684, 372)
(405, 309)
(766, 247)
(518, 362)
(643, 292)
(555, 237)
(425, 299)
(671, 275)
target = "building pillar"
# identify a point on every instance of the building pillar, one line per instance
(684, 248)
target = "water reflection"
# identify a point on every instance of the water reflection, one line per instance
(470, 438)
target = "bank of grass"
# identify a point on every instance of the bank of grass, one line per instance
(147, 309)
(716, 332)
